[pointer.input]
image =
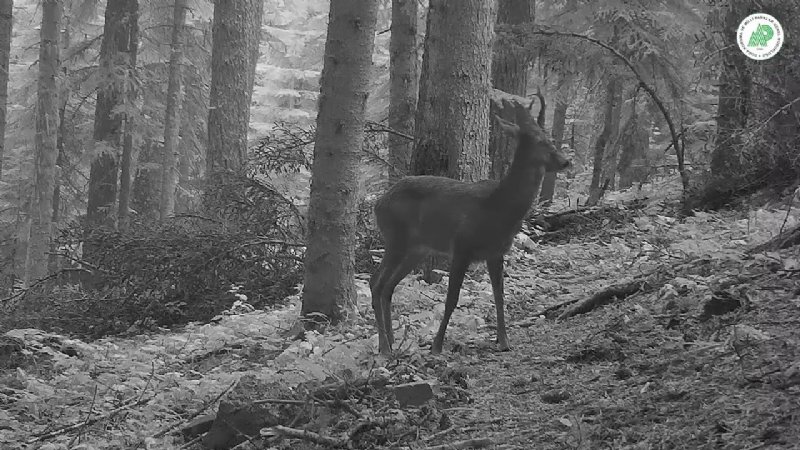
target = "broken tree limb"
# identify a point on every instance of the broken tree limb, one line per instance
(469, 443)
(618, 291)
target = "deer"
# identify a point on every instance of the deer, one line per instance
(469, 221)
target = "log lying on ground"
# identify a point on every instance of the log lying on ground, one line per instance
(644, 283)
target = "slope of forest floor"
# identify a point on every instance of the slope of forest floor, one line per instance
(663, 369)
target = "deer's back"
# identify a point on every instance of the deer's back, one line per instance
(437, 213)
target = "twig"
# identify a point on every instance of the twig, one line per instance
(77, 426)
(375, 126)
(438, 435)
(309, 436)
(469, 443)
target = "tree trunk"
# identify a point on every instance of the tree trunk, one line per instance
(125, 172)
(609, 176)
(234, 53)
(612, 98)
(633, 143)
(46, 137)
(429, 157)
(118, 51)
(172, 119)
(344, 87)
(559, 122)
(460, 64)
(53, 262)
(509, 74)
(6, 6)
(733, 108)
(145, 195)
(403, 85)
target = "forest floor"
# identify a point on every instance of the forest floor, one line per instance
(664, 368)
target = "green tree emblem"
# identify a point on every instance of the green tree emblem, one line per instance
(761, 36)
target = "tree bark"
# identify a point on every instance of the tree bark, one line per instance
(559, 122)
(733, 108)
(46, 137)
(64, 94)
(509, 74)
(172, 119)
(403, 85)
(234, 53)
(460, 64)
(611, 153)
(117, 51)
(428, 156)
(146, 191)
(6, 7)
(611, 101)
(344, 87)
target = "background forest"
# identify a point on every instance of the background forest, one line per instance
(168, 163)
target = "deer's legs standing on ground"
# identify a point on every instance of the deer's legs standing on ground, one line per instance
(495, 267)
(391, 280)
(393, 256)
(458, 268)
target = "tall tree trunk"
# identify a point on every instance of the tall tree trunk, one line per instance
(64, 94)
(118, 51)
(509, 74)
(612, 98)
(172, 119)
(6, 6)
(403, 85)
(735, 85)
(234, 53)
(460, 64)
(428, 156)
(344, 87)
(611, 153)
(46, 137)
(559, 122)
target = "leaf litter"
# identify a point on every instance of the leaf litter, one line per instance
(663, 369)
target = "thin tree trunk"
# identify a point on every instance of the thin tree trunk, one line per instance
(559, 122)
(46, 138)
(611, 153)
(118, 50)
(234, 53)
(145, 195)
(6, 7)
(509, 74)
(61, 159)
(612, 94)
(403, 84)
(125, 174)
(344, 87)
(735, 85)
(172, 119)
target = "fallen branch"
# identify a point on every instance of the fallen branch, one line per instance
(309, 436)
(77, 426)
(644, 283)
(469, 443)
(614, 292)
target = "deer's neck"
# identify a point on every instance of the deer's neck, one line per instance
(516, 191)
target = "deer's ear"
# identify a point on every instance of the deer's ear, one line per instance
(506, 126)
